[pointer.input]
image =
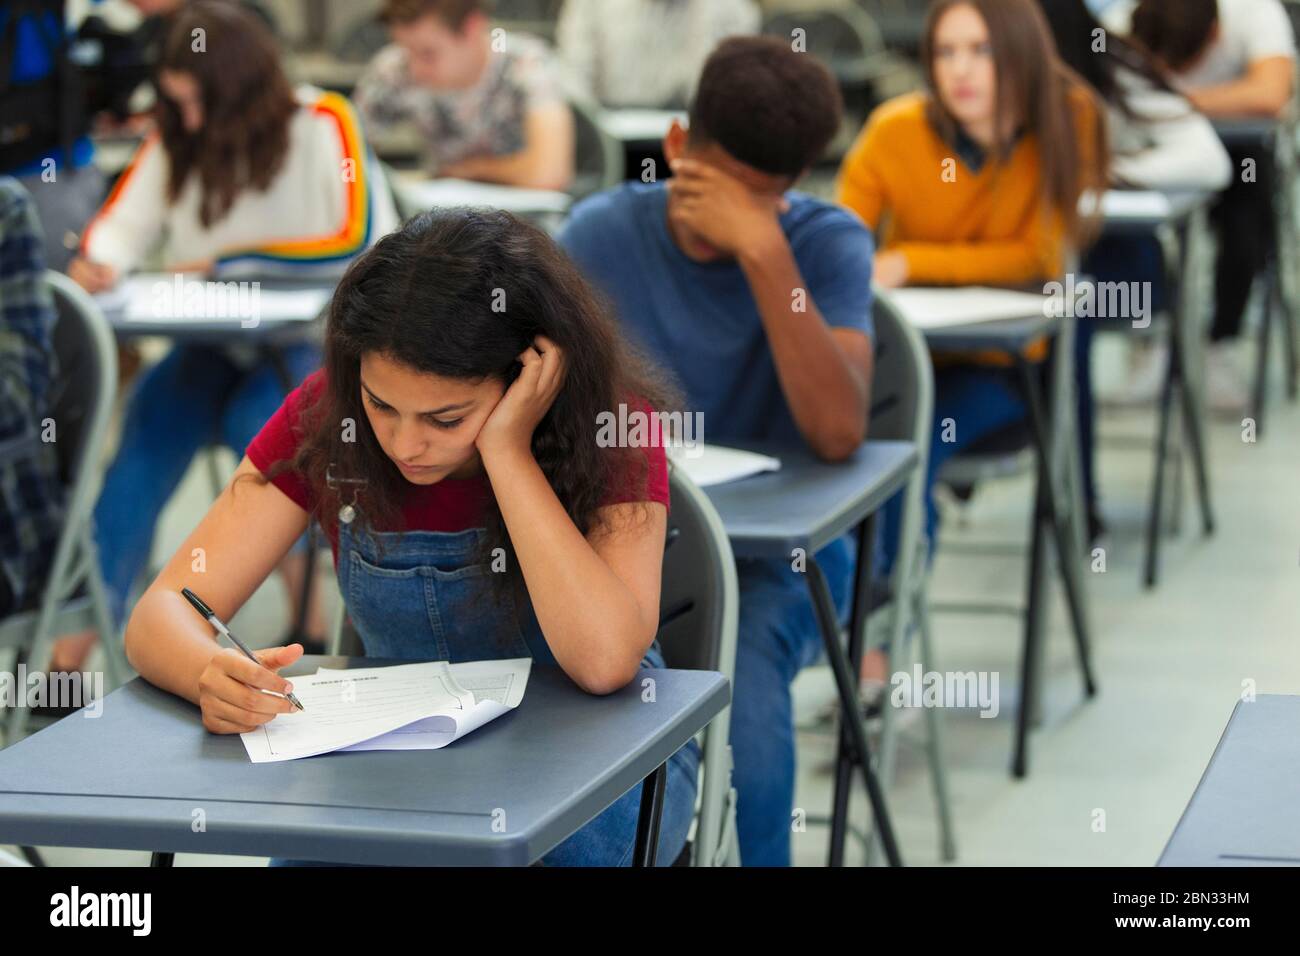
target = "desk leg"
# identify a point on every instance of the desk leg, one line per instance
(858, 615)
(1046, 494)
(1271, 307)
(1155, 516)
(850, 712)
(162, 859)
(651, 816)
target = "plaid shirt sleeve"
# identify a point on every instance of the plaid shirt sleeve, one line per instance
(30, 493)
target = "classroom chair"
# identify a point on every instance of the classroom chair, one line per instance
(902, 409)
(73, 597)
(698, 614)
(598, 161)
(699, 607)
(1010, 453)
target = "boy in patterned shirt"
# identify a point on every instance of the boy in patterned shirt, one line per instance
(488, 103)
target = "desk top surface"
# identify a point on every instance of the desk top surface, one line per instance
(135, 777)
(808, 503)
(1246, 809)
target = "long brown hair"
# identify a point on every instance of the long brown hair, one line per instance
(1037, 88)
(247, 105)
(427, 297)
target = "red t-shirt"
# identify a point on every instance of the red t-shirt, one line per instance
(450, 505)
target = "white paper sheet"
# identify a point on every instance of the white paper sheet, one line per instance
(434, 193)
(167, 297)
(936, 308)
(495, 687)
(404, 707)
(716, 465)
(1117, 204)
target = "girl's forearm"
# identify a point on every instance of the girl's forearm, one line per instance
(169, 644)
(591, 620)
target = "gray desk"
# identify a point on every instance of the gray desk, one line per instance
(807, 504)
(132, 778)
(1013, 337)
(1181, 233)
(1246, 809)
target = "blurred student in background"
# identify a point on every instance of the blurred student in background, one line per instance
(488, 104)
(976, 181)
(31, 498)
(758, 299)
(646, 53)
(1158, 140)
(244, 177)
(1231, 58)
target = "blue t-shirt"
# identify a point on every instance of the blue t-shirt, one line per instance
(700, 321)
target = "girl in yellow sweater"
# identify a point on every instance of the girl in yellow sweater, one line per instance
(976, 181)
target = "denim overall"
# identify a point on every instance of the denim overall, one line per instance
(420, 595)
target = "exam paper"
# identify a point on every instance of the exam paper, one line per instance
(496, 688)
(404, 707)
(171, 297)
(936, 308)
(716, 465)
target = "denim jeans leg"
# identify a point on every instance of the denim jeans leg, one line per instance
(171, 414)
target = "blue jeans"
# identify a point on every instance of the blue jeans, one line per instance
(192, 397)
(980, 401)
(778, 637)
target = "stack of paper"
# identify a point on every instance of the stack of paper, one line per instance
(715, 465)
(404, 707)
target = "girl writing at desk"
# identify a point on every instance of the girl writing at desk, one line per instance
(451, 434)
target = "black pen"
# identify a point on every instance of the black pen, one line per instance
(198, 604)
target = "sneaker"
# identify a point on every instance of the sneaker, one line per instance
(1225, 393)
(1148, 369)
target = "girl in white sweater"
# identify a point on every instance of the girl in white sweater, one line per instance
(243, 177)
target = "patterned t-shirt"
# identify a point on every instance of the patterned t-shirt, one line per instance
(486, 119)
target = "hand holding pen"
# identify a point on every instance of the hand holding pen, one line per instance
(234, 719)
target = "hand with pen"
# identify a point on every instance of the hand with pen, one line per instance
(239, 690)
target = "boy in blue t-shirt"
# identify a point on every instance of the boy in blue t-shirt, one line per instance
(759, 300)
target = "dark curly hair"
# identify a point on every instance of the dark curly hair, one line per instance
(247, 105)
(423, 297)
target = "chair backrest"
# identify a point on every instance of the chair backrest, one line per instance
(597, 156)
(86, 384)
(699, 597)
(902, 405)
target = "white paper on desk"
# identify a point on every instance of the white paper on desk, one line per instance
(639, 125)
(173, 297)
(345, 708)
(1128, 204)
(496, 688)
(434, 193)
(716, 465)
(937, 308)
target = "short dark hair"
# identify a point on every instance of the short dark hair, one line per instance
(1176, 31)
(766, 105)
(454, 13)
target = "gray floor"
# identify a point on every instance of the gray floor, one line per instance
(1170, 664)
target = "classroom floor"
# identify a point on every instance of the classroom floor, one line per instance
(1170, 664)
